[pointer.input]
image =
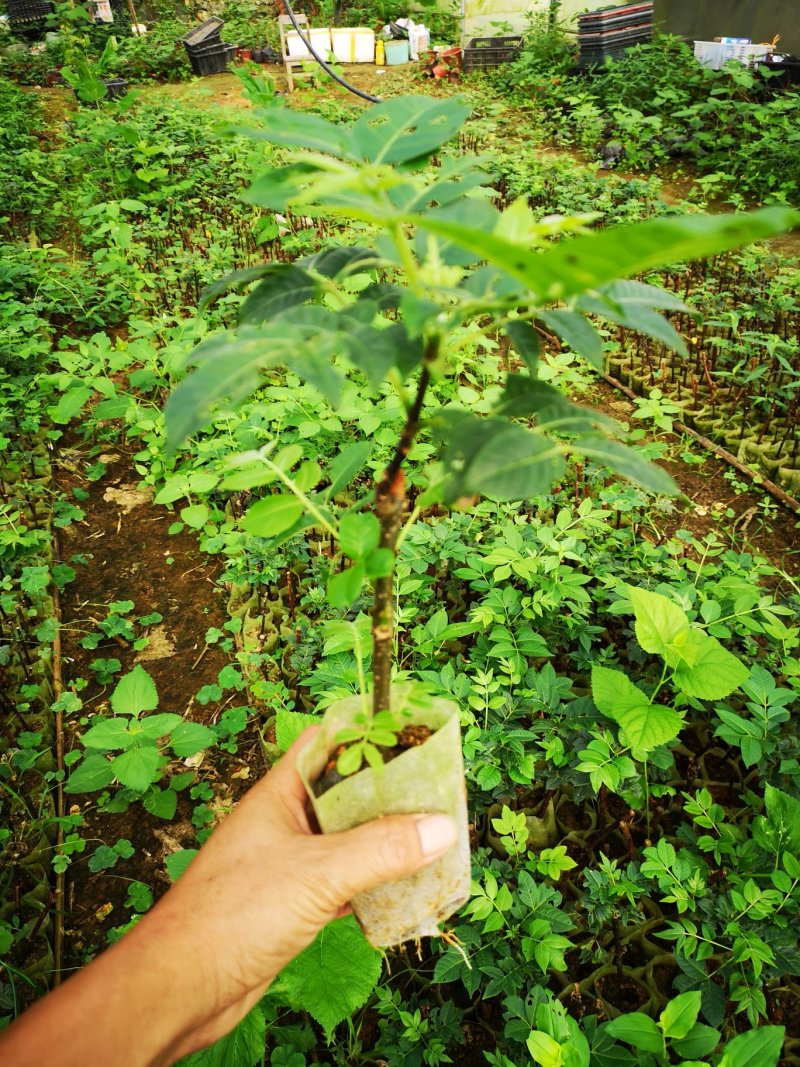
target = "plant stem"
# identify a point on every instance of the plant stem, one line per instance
(390, 498)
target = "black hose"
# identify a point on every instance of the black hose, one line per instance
(325, 66)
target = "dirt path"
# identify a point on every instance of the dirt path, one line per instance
(126, 554)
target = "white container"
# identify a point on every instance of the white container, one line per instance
(355, 45)
(320, 41)
(419, 40)
(715, 54)
(709, 53)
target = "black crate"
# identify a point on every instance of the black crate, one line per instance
(208, 49)
(205, 33)
(641, 29)
(28, 9)
(213, 62)
(484, 52)
(626, 13)
(786, 72)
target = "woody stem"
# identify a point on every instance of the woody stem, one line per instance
(390, 499)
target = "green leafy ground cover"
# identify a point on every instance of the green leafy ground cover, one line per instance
(627, 684)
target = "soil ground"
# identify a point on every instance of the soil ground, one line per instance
(129, 555)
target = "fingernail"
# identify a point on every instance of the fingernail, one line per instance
(436, 834)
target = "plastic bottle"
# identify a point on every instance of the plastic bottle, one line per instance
(380, 53)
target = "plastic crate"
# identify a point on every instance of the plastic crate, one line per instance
(714, 54)
(30, 13)
(205, 33)
(213, 62)
(210, 48)
(617, 14)
(484, 52)
(27, 9)
(786, 72)
(603, 40)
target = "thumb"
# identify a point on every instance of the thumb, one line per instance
(384, 850)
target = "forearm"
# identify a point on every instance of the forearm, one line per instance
(137, 1005)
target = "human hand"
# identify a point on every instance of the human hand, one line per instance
(264, 885)
(255, 896)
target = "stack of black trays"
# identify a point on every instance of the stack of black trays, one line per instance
(611, 30)
(207, 53)
(28, 18)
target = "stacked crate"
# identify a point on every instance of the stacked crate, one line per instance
(208, 54)
(607, 33)
(28, 18)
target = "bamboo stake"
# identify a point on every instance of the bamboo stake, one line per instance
(58, 689)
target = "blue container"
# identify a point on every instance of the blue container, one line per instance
(396, 53)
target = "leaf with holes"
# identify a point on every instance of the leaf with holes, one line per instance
(403, 129)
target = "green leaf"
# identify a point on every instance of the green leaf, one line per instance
(514, 464)
(277, 187)
(195, 516)
(71, 403)
(494, 458)
(577, 332)
(343, 588)
(108, 735)
(403, 129)
(230, 368)
(783, 815)
(340, 259)
(242, 1047)
(154, 726)
(290, 724)
(526, 397)
(645, 725)
(177, 862)
(578, 264)
(700, 1041)
(715, 672)
(544, 1049)
(138, 768)
(359, 534)
(162, 803)
(272, 515)
(103, 859)
(630, 293)
(756, 1048)
(680, 1015)
(379, 563)
(189, 738)
(661, 626)
(526, 341)
(335, 975)
(6, 938)
(284, 286)
(638, 1030)
(301, 129)
(93, 773)
(307, 475)
(134, 693)
(234, 280)
(627, 462)
(349, 463)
